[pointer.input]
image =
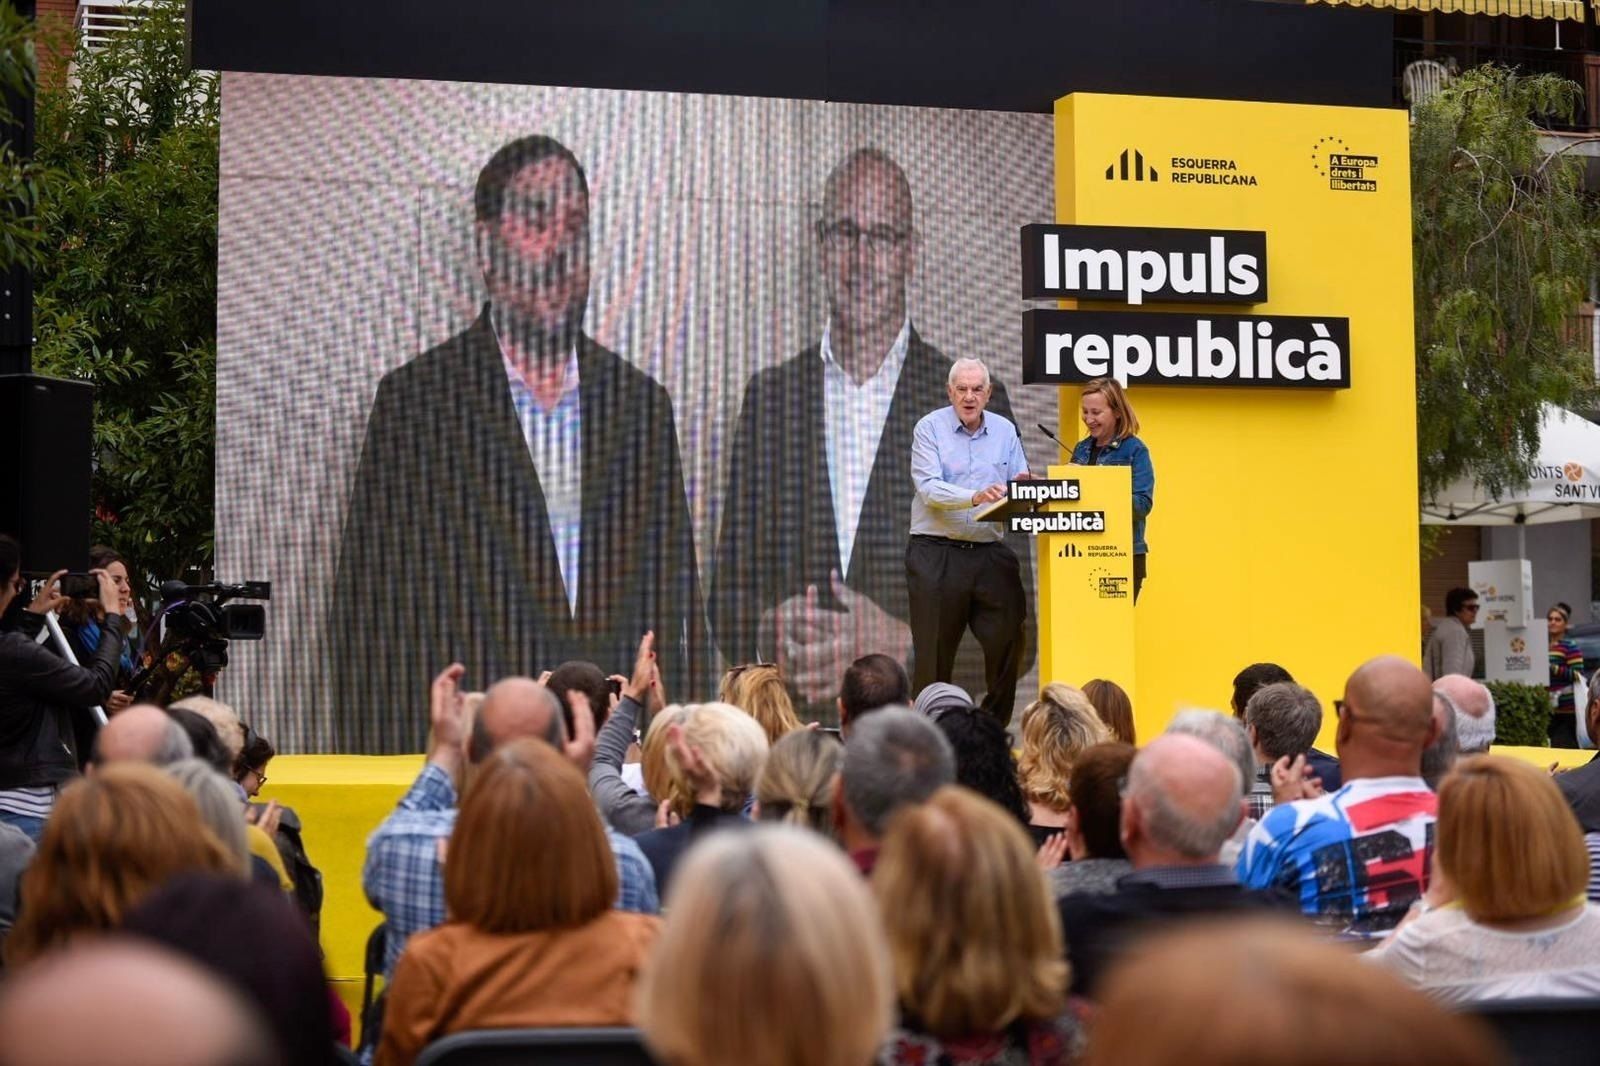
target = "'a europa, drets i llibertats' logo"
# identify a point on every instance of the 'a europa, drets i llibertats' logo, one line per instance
(1106, 585)
(1345, 170)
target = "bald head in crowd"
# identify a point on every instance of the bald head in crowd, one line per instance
(146, 1007)
(1473, 705)
(1387, 720)
(514, 708)
(142, 733)
(1183, 802)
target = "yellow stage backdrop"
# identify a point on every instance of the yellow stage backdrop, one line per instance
(1285, 520)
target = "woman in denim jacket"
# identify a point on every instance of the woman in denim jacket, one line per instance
(1113, 441)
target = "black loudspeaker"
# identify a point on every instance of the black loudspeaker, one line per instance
(46, 458)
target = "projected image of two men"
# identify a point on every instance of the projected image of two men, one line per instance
(599, 384)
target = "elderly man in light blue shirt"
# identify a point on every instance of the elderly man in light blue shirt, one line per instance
(959, 572)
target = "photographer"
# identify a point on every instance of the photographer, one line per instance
(83, 620)
(39, 692)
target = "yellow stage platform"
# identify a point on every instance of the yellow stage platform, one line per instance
(342, 798)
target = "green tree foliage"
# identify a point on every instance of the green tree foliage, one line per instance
(126, 281)
(20, 233)
(1504, 243)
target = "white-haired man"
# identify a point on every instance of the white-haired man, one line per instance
(1183, 800)
(959, 571)
(1473, 705)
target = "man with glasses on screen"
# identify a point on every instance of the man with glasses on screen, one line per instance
(1449, 647)
(810, 569)
(520, 497)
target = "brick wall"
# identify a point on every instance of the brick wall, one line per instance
(1458, 546)
(56, 19)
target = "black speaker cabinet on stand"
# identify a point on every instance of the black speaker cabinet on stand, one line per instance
(46, 459)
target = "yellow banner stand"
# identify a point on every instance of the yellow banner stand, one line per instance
(1284, 526)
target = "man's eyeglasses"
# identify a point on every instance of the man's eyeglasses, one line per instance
(846, 236)
(1340, 707)
(261, 777)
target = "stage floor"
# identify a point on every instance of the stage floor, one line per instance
(342, 798)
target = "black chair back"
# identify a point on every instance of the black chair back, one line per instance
(1544, 1032)
(372, 1007)
(545, 1047)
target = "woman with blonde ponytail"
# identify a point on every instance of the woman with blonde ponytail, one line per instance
(796, 784)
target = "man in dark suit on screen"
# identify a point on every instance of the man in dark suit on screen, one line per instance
(520, 498)
(810, 570)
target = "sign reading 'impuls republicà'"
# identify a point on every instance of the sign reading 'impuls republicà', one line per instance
(1134, 265)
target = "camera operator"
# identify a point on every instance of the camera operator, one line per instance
(40, 691)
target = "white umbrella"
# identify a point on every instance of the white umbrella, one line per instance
(1563, 482)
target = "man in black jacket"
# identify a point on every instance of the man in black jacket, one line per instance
(40, 691)
(1181, 804)
(1581, 787)
(520, 499)
(810, 568)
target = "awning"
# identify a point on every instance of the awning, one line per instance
(1537, 9)
(1563, 482)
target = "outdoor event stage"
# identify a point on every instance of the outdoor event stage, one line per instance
(342, 798)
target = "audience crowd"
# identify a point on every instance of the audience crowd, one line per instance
(916, 888)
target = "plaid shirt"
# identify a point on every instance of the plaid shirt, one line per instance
(404, 879)
(1260, 797)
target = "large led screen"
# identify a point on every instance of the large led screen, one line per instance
(509, 375)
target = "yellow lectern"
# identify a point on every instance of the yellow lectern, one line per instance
(1085, 550)
(1086, 583)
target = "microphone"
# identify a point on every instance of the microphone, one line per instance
(1053, 437)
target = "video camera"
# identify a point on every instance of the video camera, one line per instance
(193, 627)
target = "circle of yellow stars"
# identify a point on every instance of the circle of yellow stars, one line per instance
(1325, 147)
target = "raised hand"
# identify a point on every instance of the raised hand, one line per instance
(267, 819)
(580, 749)
(110, 596)
(637, 686)
(1052, 851)
(665, 819)
(703, 781)
(448, 715)
(50, 598)
(1293, 779)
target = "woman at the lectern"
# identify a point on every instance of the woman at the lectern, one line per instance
(1113, 441)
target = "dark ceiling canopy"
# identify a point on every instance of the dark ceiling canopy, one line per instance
(1009, 55)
